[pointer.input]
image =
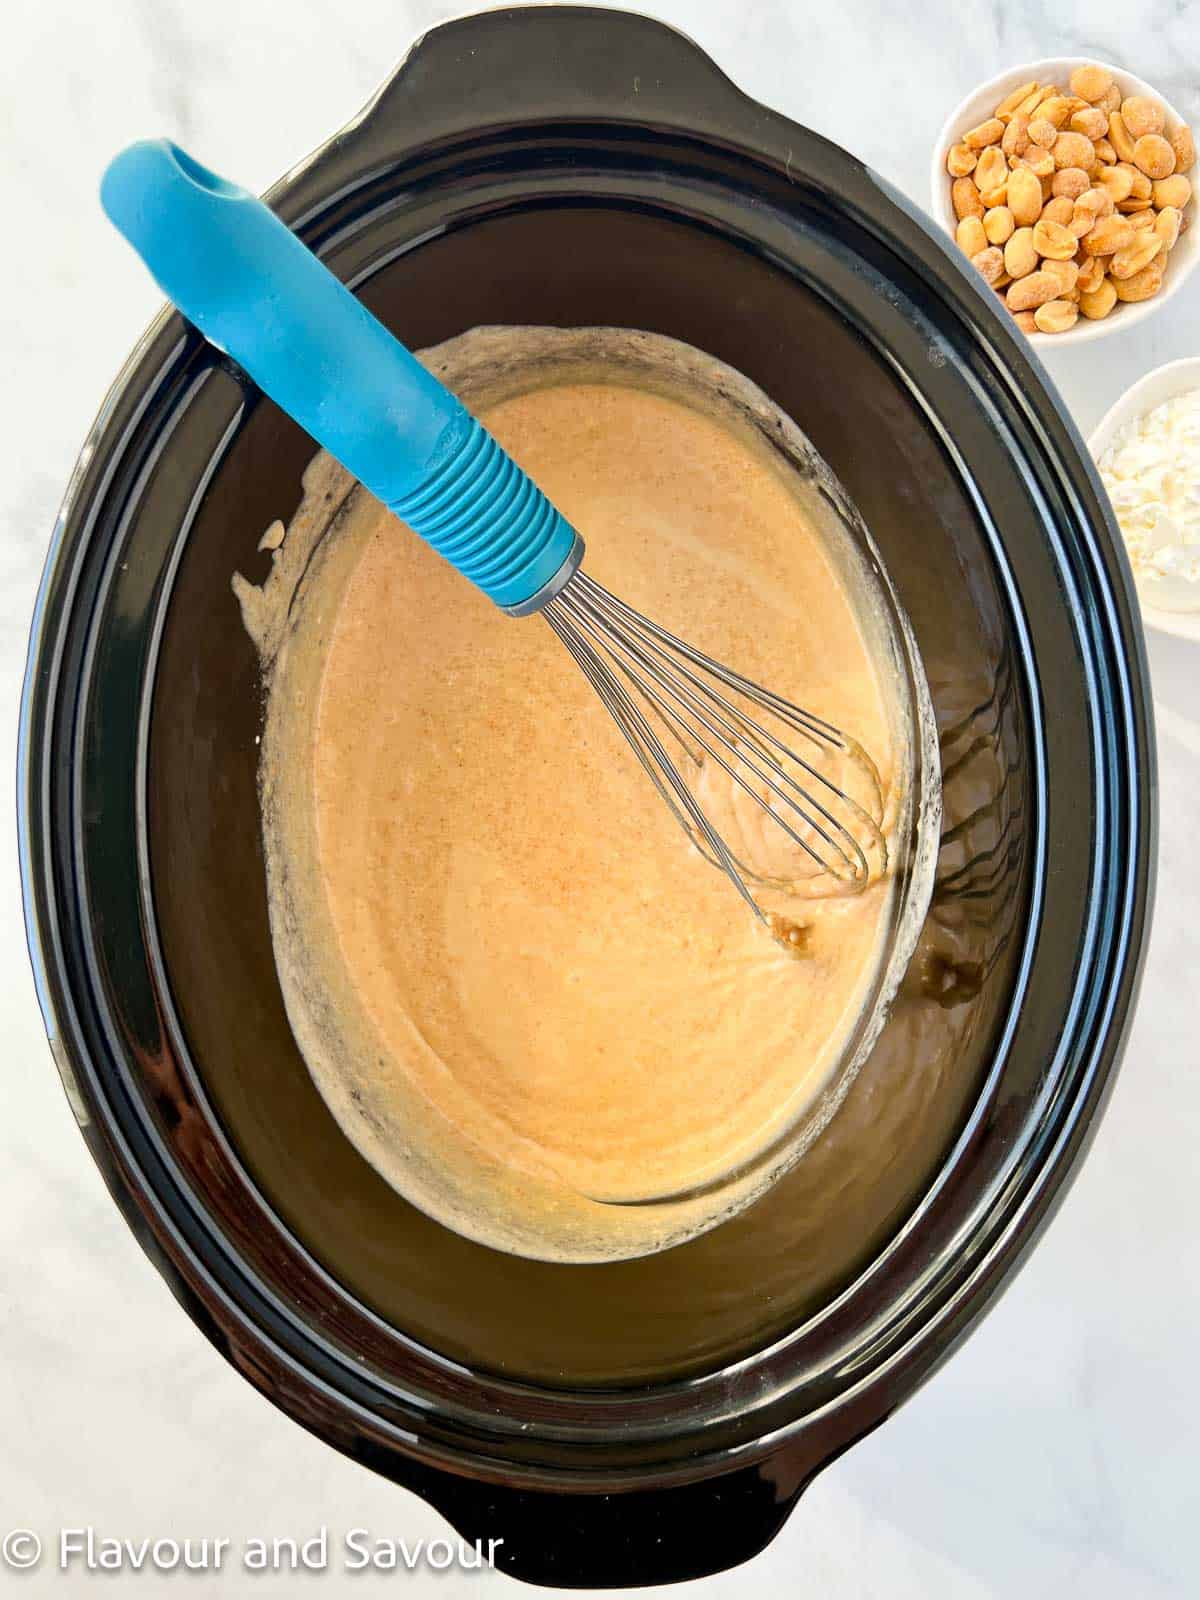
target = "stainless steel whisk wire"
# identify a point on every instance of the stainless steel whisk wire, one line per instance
(658, 688)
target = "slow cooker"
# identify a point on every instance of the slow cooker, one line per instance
(648, 1420)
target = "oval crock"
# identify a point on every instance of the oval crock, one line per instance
(607, 127)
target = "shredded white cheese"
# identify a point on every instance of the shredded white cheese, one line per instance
(1152, 474)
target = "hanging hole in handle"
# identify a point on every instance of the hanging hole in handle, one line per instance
(200, 175)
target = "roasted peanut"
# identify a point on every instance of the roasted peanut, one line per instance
(1139, 221)
(1088, 210)
(1024, 196)
(1105, 154)
(991, 170)
(1127, 263)
(1091, 275)
(1118, 181)
(1025, 321)
(1108, 236)
(1055, 108)
(985, 133)
(1026, 294)
(1154, 156)
(1009, 104)
(1166, 225)
(1090, 122)
(1128, 207)
(970, 236)
(989, 263)
(1053, 240)
(1067, 273)
(1016, 136)
(1056, 316)
(960, 161)
(1070, 181)
(1043, 132)
(1020, 254)
(1120, 137)
(1074, 150)
(998, 224)
(1173, 191)
(966, 199)
(1142, 115)
(1036, 160)
(1097, 200)
(1184, 146)
(1090, 82)
(1144, 285)
(1081, 223)
(1098, 302)
(1040, 97)
(1058, 209)
(1141, 183)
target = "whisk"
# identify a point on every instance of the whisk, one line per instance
(769, 793)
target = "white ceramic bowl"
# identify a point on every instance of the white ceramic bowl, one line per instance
(1164, 383)
(1058, 69)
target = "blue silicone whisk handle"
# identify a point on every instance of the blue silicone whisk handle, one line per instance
(256, 292)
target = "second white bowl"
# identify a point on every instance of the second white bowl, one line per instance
(1164, 383)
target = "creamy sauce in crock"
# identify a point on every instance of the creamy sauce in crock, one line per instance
(529, 965)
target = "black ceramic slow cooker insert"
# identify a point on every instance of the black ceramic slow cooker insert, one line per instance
(650, 1420)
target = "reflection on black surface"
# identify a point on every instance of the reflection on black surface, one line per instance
(977, 888)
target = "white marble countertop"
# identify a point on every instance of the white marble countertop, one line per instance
(1055, 1452)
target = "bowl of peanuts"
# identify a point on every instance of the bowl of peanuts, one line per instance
(1069, 185)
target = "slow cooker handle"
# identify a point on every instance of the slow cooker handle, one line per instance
(639, 1538)
(544, 67)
